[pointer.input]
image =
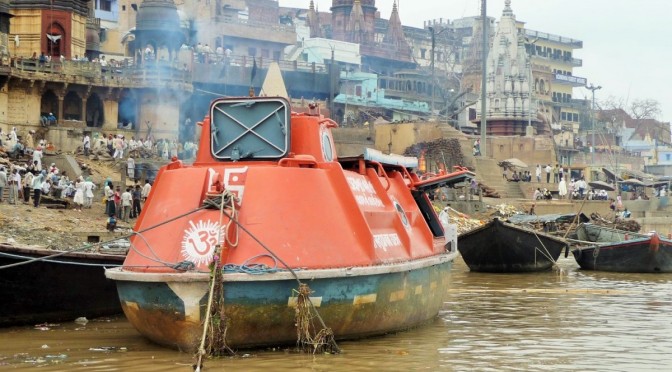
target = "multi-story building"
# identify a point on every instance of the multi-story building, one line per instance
(553, 64)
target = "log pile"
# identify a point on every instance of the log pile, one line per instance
(617, 223)
(488, 191)
(442, 150)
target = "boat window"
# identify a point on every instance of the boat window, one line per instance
(402, 213)
(249, 128)
(327, 150)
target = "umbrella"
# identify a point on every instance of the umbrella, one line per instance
(512, 163)
(601, 185)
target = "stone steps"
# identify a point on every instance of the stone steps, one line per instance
(489, 173)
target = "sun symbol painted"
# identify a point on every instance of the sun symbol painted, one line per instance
(198, 244)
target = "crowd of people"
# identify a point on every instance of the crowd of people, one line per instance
(28, 181)
(119, 147)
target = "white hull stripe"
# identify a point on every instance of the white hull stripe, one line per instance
(364, 299)
(316, 301)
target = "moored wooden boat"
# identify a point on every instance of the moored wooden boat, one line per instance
(502, 247)
(52, 289)
(361, 232)
(607, 249)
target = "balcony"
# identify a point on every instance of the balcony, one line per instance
(574, 62)
(577, 44)
(577, 104)
(91, 73)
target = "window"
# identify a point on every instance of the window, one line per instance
(252, 52)
(575, 117)
(422, 53)
(276, 55)
(105, 5)
(123, 8)
(563, 116)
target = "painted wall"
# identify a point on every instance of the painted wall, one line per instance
(26, 23)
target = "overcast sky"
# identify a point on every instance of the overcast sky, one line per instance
(627, 46)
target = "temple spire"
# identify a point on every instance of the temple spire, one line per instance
(356, 29)
(395, 32)
(313, 20)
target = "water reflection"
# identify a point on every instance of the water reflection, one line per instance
(561, 320)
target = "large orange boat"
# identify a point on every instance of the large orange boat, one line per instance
(268, 189)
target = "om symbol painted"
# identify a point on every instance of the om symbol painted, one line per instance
(198, 244)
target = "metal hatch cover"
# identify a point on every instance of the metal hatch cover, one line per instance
(249, 128)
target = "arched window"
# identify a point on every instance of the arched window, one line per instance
(95, 112)
(55, 40)
(72, 106)
(48, 103)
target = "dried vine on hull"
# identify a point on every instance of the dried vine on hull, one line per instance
(322, 341)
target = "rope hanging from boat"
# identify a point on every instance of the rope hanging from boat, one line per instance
(545, 252)
(309, 340)
(216, 322)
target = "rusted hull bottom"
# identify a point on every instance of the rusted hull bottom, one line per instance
(626, 257)
(262, 313)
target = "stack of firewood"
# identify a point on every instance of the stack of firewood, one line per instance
(442, 150)
(488, 191)
(617, 223)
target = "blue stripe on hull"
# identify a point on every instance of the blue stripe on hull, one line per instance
(260, 313)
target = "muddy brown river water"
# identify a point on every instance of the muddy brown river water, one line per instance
(564, 320)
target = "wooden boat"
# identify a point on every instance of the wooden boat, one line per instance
(501, 247)
(52, 289)
(361, 232)
(607, 249)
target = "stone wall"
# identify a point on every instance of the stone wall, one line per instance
(396, 138)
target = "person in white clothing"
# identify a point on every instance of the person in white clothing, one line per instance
(146, 190)
(86, 145)
(79, 194)
(89, 186)
(126, 204)
(562, 188)
(118, 145)
(37, 157)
